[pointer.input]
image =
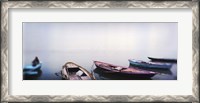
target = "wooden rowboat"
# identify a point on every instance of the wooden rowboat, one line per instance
(152, 65)
(124, 71)
(72, 71)
(162, 59)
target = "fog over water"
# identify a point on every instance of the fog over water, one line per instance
(82, 43)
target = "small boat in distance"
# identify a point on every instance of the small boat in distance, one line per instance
(72, 71)
(33, 71)
(124, 71)
(153, 65)
(36, 65)
(162, 59)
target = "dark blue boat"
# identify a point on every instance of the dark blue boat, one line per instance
(163, 59)
(153, 65)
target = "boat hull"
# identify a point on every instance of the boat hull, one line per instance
(32, 68)
(149, 65)
(118, 75)
(130, 73)
(30, 73)
(162, 59)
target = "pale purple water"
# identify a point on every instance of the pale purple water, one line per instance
(52, 63)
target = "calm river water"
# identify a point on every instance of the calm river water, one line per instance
(52, 63)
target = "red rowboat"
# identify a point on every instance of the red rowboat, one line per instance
(124, 71)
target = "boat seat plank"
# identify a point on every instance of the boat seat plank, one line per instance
(71, 66)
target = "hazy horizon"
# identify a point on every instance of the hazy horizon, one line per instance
(100, 37)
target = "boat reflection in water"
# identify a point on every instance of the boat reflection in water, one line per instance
(102, 75)
(163, 74)
(161, 71)
(32, 75)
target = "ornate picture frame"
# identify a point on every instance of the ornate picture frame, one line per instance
(6, 5)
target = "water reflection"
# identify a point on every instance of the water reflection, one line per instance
(52, 66)
(51, 71)
(171, 74)
(164, 71)
(102, 75)
(32, 75)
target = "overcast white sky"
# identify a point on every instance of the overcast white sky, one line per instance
(100, 36)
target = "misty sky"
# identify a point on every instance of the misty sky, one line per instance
(152, 37)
